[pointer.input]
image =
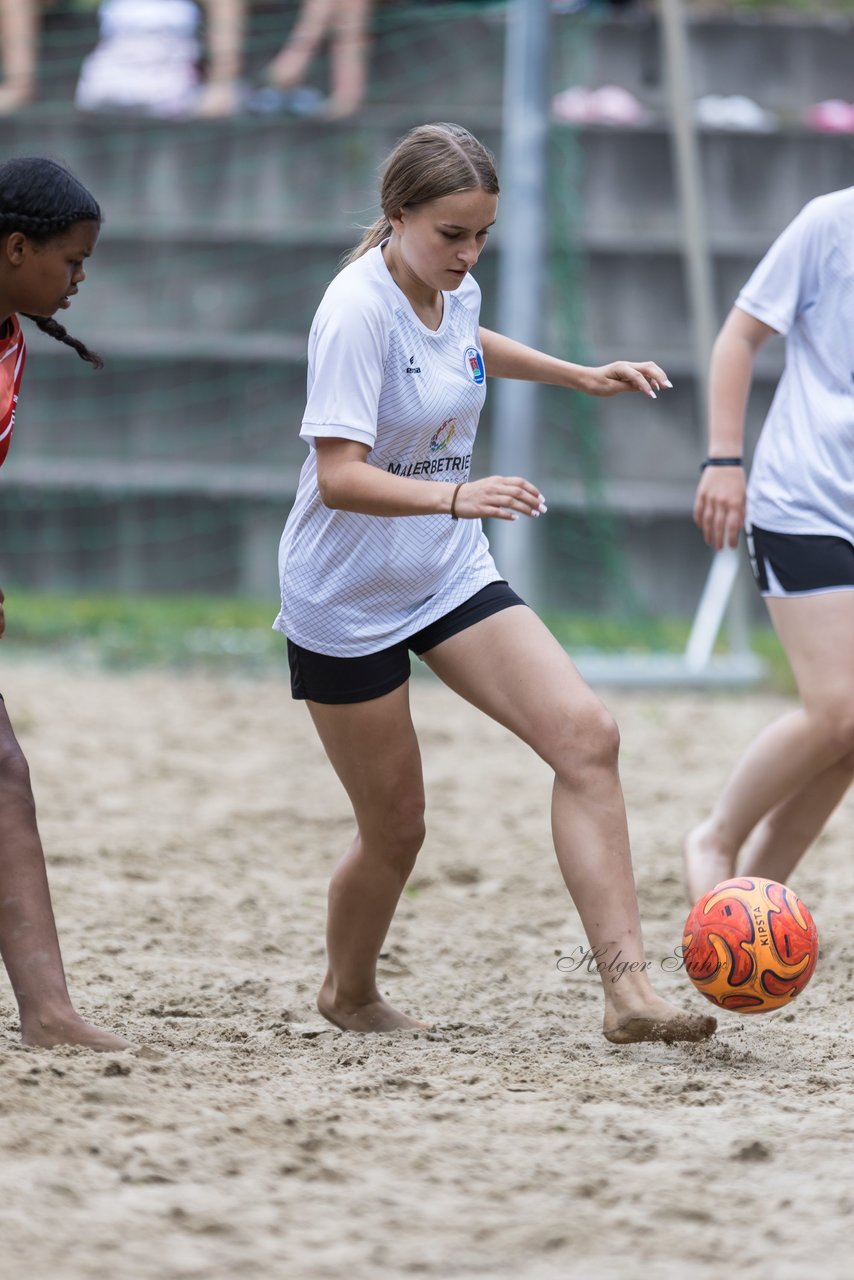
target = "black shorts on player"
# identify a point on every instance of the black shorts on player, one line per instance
(799, 564)
(320, 677)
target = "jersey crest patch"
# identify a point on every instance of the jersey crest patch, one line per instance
(474, 365)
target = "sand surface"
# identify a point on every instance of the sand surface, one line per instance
(191, 825)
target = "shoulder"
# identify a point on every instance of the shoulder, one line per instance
(11, 334)
(360, 292)
(834, 205)
(354, 321)
(827, 217)
(834, 217)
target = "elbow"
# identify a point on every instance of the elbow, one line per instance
(333, 488)
(328, 491)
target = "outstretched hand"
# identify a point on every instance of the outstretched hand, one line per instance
(499, 498)
(626, 375)
(719, 505)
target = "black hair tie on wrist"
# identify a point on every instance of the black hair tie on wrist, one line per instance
(721, 462)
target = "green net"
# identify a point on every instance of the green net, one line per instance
(173, 469)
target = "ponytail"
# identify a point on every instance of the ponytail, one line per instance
(374, 235)
(54, 329)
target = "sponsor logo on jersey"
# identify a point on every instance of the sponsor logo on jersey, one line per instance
(443, 436)
(412, 367)
(474, 365)
(432, 467)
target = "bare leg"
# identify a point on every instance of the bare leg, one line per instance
(226, 22)
(373, 749)
(289, 67)
(511, 667)
(779, 840)
(19, 22)
(349, 58)
(28, 939)
(793, 766)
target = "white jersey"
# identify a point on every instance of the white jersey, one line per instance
(353, 584)
(802, 478)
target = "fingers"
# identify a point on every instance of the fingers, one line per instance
(650, 378)
(515, 497)
(645, 376)
(720, 522)
(655, 375)
(500, 498)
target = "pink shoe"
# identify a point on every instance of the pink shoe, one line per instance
(609, 105)
(831, 116)
(573, 106)
(614, 105)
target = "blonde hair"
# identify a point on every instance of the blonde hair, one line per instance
(429, 162)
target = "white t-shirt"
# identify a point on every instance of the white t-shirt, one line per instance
(146, 58)
(353, 584)
(802, 478)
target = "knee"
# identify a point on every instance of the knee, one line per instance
(589, 742)
(838, 732)
(404, 831)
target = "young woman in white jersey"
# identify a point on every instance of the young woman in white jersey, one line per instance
(383, 552)
(48, 227)
(800, 536)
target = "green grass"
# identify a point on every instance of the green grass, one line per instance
(125, 631)
(227, 633)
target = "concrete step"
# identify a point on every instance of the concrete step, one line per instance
(784, 60)
(265, 176)
(211, 286)
(168, 405)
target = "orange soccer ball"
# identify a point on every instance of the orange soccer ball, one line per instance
(750, 945)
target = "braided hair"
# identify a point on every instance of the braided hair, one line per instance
(43, 199)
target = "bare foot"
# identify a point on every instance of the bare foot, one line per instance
(376, 1015)
(705, 864)
(13, 96)
(658, 1020)
(216, 101)
(339, 108)
(50, 1033)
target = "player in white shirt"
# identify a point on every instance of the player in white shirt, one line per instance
(384, 552)
(798, 510)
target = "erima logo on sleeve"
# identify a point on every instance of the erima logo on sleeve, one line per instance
(474, 365)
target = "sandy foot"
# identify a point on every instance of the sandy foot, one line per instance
(73, 1030)
(681, 1026)
(377, 1015)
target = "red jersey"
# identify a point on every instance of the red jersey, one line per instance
(13, 352)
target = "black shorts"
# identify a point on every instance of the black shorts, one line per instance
(322, 678)
(799, 564)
